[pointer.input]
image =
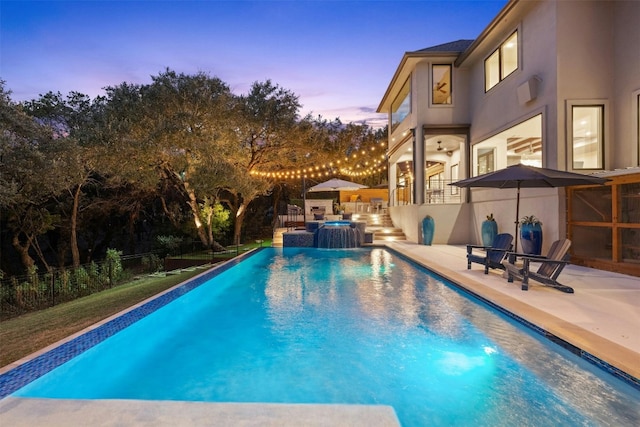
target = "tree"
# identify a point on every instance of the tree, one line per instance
(70, 122)
(265, 134)
(29, 177)
(170, 131)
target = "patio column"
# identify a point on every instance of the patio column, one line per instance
(393, 183)
(418, 165)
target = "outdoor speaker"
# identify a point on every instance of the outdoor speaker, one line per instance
(528, 91)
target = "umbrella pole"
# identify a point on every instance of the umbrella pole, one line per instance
(517, 214)
(304, 201)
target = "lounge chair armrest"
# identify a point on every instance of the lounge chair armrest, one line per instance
(478, 247)
(499, 250)
(547, 261)
(512, 256)
(470, 247)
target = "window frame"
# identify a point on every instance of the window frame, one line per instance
(636, 123)
(499, 51)
(605, 129)
(526, 130)
(433, 84)
(398, 102)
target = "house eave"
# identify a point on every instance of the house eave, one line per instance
(408, 62)
(489, 30)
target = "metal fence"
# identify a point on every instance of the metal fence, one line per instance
(35, 291)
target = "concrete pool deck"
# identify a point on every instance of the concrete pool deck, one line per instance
(602, 318)
(19, 412)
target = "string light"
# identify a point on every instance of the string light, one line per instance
(362, 165)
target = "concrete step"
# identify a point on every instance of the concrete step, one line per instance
(387, 233)
(381, 220)
(277, 237)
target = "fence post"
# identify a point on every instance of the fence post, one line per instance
(53, 288)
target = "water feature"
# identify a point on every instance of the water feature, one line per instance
(338, 235)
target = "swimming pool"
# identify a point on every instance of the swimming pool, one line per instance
(360, 326)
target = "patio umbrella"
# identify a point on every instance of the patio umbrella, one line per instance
(336, 184)
(523, 176)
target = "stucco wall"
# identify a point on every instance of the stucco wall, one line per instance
(499, 109)
(460, 224)
(451, 222)
(547, 204)
(627, 81)
(585, 63)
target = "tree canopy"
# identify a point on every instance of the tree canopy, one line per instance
(181, 143)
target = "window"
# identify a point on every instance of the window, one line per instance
(401, 106)
(441, 79)
(521, 143)
(587, 138)
(637, 119)
(502, 62)
(486, 157)
(492, 70)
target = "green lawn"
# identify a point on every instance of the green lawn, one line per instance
(25, 334)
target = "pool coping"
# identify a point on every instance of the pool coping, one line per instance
(27, 412)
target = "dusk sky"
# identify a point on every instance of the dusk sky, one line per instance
(337, 56)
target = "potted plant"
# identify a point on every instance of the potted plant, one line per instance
(428, 228)
(338, 208)
(489, 230)
(531, 235)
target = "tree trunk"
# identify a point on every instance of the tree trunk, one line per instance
(237, 227)
(210, 228)
(277, 193)
(75, 253)
(133, 217)
(195, 209)
(23, 251)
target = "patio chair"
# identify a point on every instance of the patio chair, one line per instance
(550, 266)
(492, 256)
(376, 203)
(318, 213)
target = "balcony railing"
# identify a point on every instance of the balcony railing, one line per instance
(438, 192)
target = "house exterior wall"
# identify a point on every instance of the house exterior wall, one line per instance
(626, 88)
(585, 66)
(499, 108)
(577, 52)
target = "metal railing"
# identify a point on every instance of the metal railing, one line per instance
(35, 291)
(435, 192)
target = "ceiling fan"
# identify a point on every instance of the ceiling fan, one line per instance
(440, 87)
(439, 146)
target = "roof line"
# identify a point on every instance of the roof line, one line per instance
(483, 35)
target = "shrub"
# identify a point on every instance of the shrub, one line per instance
(152, 263)
(112, 267)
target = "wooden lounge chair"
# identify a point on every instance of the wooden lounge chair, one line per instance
(492, 256)
(550, 266)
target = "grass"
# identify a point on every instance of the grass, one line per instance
(28, 333)
(231, 251)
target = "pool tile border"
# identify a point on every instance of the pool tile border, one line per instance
(584, 355)
(33, 369)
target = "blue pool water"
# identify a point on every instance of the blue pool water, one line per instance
(358, 326)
